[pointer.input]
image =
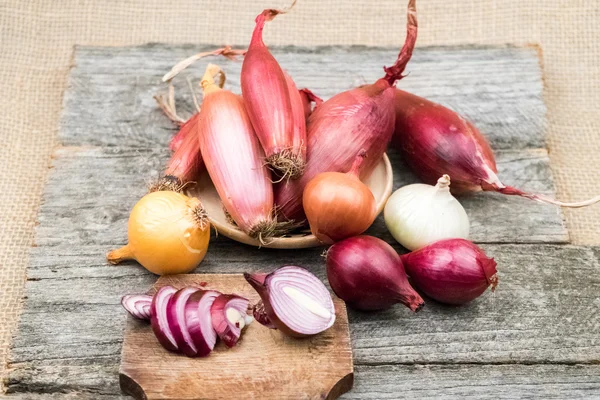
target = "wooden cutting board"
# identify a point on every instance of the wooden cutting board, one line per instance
(265, 364)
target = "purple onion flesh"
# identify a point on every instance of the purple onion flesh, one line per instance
(138, 305)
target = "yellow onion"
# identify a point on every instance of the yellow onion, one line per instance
(168, 233)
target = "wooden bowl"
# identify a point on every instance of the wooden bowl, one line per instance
(380, 182)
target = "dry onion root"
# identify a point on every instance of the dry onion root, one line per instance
(168, 233)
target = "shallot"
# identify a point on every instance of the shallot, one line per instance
(419, 214)
(267, 96)
(361, 118)
(368, 274)
(435, 140)
(295, 301)
(338, 205)
(168, 233)
(235, 160)
(452, 271)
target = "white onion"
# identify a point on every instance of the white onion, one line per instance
(419, 214)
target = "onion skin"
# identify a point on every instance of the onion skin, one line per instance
(235, 160)
(360, 118)
(368, 274)
(188, 127)
(308, 97)
(339, 205)
(167, 233)
(267, 99)
(452, 271)
(186, 163)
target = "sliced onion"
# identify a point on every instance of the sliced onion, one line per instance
(198, 320)
(159, 320)
(138, 305)
(296, 302)
(176, 317)
(228, 314)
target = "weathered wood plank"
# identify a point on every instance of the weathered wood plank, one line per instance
(92, 190)
(109, 101)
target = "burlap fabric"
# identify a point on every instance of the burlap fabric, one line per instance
(36, 47)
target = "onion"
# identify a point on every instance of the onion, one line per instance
(419, 214)
(160, 321)
(308, 98)
(260, 314)
(361, 118)
(296, 302)
(452, 271)
(435, 140)
(235, 161)
(197, 317)
(368, 274)
(168, 233)
(228, 314)
(138, 305)
(339, 205)
(268, 100)
(177, 319)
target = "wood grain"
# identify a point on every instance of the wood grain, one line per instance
(265, 364)
(544, 311)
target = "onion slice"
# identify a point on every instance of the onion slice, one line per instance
(176, 318)
(198, 320)
(138, 305)
(296, 302)
(228, 314)
(159, 320)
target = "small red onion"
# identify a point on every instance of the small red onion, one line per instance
(451, 271)
(176, 316)
(138, 305)
(368, 274)
(228, 314)
(159, 320)
(198, 321)
(296, 302)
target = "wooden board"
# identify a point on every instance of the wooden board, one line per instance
(265, 364)
(535, 337)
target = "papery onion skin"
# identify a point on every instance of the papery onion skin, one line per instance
(308, 97)
(338, 205)
(360, 118)
(368, 274)
(159, 320)
(434, 140)
(168, 233)
(199, 322)
(267, 99)
(235, 159)
(419, 214)
(264, 285)
(452, 271)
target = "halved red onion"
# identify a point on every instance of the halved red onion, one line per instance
(159, 320)
(198, 320)
(228, 314)
(176, 317)
(260, 314)
(296, 302)
(138, 305)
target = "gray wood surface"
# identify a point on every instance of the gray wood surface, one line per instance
(536, 336)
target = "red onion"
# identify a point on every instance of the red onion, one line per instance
(435, 140)
(138, 305)
(296, 302)
(159, 320)
(361, 118)
(228, 314)
(197, 317)
(368, 274)
(235, 160)
(260, 315)
(267, 97)
(451, 271)
(176, 317)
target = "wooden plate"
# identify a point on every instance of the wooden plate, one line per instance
(380, 182)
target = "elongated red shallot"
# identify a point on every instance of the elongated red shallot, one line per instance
(268, 100)
(361, 118)
(435, 140)
(235, 160)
